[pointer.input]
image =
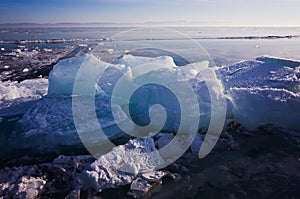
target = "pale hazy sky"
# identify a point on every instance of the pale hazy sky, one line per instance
(200, 12)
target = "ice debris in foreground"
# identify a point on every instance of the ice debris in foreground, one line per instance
(68, 175)
(125, 164)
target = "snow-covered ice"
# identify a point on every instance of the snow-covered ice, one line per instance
(11, 92)
(264, 93)
(16, 98)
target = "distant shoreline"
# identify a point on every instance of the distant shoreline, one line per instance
(129, 25)
(58, 41)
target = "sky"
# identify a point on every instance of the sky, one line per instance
(188, 12)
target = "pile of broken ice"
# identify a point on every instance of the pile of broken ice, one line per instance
(261, 92)
(73, 174)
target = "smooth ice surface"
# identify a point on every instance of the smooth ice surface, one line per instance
(61, 77)
(266, 106)
(135, 61)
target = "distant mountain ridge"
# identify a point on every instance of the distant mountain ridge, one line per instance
(60, 24)
(107, 24)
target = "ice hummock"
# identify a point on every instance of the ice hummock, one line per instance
(51, 123)
(13, 92)
(258, 92)
(17, 98)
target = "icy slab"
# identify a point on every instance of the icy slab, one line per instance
(103, 178)
(64, 73)
(49, 124)
(135, 61)
(256, 74)
(286, 78)
(123, 164)
(279, 61)
(61, 77)
(255, 107)
(264, 92)
(144, 182)
(139, 187)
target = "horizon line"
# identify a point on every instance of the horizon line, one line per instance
(147, 23)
